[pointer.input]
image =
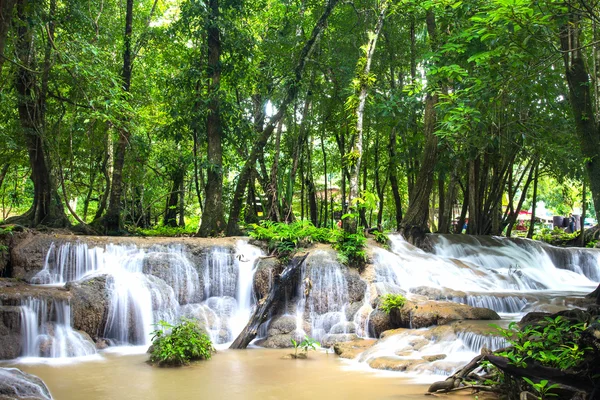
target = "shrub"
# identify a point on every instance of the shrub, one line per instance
(381, 238)
(392, 302)
(554, 343)
(351, 247)
(174, 345)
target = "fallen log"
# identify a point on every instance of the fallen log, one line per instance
(264, 306)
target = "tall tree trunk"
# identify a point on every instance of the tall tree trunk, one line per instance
(414, 224)
(47, 208)
(213, 217)
(393, 176)
(112, 220)
(581, 100)
(273, 193)
(534, 201)
(356, 154)
(325, 217)
(464, 210)
(262, 139)
(310, 185)
(446, 213)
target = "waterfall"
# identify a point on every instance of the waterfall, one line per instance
(47, 332)
(323, 297)
(144, 286)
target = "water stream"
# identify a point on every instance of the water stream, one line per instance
(161, 282)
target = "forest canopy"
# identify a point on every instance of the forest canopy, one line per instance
(205, 117)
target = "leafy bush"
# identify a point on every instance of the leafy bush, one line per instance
(392, 302)
(553, 344)
(174, 345)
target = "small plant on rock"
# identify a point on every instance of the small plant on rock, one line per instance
(175, 345)
(307, 344)
(392, 302)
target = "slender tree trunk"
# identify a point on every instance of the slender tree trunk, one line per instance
(3, 173)
(213, 217)
(273, 192)
(47, 208)
(363, 90)
(105, 162)
(515, 215)
(583, 212)
(446, 213)
(463, 212)
(262, 139)
(310, 186)
(170, 217)
(112, 220)
(534, 201)
(393, 176)
(325, 219)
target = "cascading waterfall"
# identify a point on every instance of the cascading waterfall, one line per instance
(324, 297)
(47, 332)
(145, 286)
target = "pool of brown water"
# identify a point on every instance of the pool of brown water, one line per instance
(231, 374)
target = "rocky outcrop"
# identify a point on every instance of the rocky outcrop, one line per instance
(16, 384)
(89, 305)
(391, 363)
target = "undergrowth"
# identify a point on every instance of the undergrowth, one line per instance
(283, 239)
(392, 302)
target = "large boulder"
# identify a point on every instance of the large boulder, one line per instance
(331, 339)
(11, 341)
(281, 330)
(90, 305)
(379, 322)
(392, 363)
(16, 384)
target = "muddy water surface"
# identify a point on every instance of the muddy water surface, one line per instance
(243, 374)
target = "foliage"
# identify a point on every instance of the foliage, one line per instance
(307, 344)
(391, 302)
(542, 387)
(381, 237)
(553, 343)
(167, 231)
(556, 236)
(174, 345)
(351, 247)
(284, 238)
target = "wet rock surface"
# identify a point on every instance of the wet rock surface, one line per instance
(16, 384)
(353, 348)
(10, 332)
(89, 305)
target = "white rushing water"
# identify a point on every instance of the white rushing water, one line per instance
(145, 286)
(47, 332)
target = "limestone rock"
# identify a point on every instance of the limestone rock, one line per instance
(379, 322)
(390, 363)
(434, 357)
(90, 305)
(331, 340)
(266, 270)
(16, 384)
(11, 341)
(429, 313)
(353, 348)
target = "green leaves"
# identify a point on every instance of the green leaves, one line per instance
(391, 302)
(174, 345)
